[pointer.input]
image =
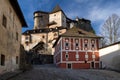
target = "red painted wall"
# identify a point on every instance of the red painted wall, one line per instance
(71, 51)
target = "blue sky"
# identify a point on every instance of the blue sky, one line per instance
(95, 10)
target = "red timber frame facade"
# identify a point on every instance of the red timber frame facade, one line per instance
(77, 53)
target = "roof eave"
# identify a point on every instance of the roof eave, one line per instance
(18, 11)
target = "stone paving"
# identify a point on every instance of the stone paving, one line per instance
(52, 73)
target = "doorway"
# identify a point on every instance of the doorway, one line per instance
(92, 65)
(69, 66)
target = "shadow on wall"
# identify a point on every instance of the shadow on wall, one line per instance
(111, 61)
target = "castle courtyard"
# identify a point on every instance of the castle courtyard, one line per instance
(53, 73)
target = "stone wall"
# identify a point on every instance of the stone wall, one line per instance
(9, 42)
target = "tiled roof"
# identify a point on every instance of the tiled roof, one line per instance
(43, 30)
(76, 32)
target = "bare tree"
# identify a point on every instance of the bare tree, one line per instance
(111, 29)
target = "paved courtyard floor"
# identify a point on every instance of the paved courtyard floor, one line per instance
(52, 73)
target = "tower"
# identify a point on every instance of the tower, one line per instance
(41, 19)
(58, 16)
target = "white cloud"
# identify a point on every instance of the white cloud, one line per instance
(97, 13)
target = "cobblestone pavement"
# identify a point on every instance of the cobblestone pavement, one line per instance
(52, 73)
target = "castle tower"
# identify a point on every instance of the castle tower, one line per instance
(41, 19)
(58, 16)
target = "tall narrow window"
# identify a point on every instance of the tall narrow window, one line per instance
(76, 44)
(2, 60)
(66, 44)
(86, 44)
(17, 36)
(92, 44)
(4, 21)
(66, 55)
(16, 59)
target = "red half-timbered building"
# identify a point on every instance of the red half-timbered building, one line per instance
(77, 49)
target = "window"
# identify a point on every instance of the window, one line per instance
(92, 45)
(66, 56)
(43, 36)
(2, 60)
(66, 44)
(69, 66)
(26, 38)
(4, 21)
(17, 36)
(76, 44)
(16, 59)
(85, 61)
(85, 45)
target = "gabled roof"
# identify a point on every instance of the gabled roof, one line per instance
(76, 32)
(39, 46)
(56, 9)
(18, 11)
